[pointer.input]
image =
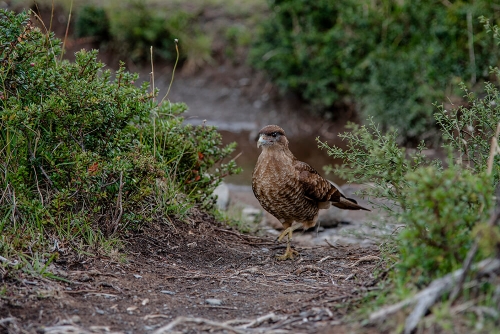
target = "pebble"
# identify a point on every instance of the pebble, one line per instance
(76, 319)
(167, 292)
(137, 276)
(213, 301)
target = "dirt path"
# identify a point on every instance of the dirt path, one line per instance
(196, 270)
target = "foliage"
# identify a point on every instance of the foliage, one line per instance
(439, 206)
(92, 22)
(393, 58)
(443, 207)
(372, 156)
(132, 27)
(135, 27)
(85, 152)
(468, 130)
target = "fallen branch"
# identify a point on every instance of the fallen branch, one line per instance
(249, 326)
(331, 245)
(199, 321)
(260, 320)
(66, 329)
(427, 297)
(365, 259)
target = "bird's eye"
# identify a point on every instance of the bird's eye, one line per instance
(274, 134)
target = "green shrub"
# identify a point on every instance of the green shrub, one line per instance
(392, 59)
(83, 151)
(92, 22)
(443, 206)
(135, 27)
(372, 156)
(313, 48)
(440, 207)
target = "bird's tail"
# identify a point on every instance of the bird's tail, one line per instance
(348, 204)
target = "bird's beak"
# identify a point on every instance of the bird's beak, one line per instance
(261, 141)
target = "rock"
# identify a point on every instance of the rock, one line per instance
(329, 218)
(213, 301)
(250, 214)
(167, 292)
(222, 193)
(75, 319)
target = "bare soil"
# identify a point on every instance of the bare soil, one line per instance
(212, 277)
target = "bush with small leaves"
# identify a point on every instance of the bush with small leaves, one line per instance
(93, 21)
(85, 151)
(390, 59)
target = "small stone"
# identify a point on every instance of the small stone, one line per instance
(76, 319)
(167, 292)
(213, 301)
(137, 276)
(131, 309)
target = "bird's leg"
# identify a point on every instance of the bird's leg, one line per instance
(289, 253)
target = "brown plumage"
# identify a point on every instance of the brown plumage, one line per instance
(290, 189)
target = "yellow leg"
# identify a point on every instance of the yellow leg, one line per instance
(289, 253)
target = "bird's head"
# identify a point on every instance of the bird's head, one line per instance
(272, 136)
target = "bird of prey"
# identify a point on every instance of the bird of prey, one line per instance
(289, 189)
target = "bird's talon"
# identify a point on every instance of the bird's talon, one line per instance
(289, 254)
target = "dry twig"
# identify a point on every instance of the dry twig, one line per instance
(249, 326)
(199, 321)
(365, 259)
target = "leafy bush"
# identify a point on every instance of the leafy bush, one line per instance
(394, 59)
(468, 130)
(313, 47)
(92, 22)
(132, 27)
(82, 147)
(440, 206)
(443, 206)
(445, 211)
(135, 27)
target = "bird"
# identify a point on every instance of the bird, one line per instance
(291, 190)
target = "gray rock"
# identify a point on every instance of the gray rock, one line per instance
(213, 301)
(330, 218)
(251, 215)
(222, 193)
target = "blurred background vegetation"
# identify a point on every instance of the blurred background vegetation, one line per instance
(390, 60)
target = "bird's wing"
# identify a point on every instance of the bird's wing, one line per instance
(320, 189)
(315, 186)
